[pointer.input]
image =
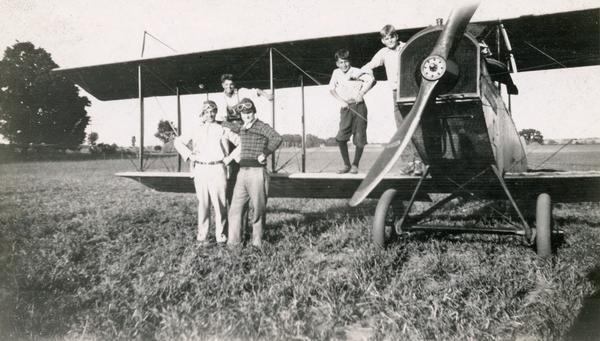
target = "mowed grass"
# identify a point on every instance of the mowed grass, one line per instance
(87, 255)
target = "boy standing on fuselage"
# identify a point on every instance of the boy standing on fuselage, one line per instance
(349, 85)
(389, 57)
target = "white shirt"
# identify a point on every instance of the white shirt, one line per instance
(209, 142)
(347, 84)
(390, 58)
(223, 101)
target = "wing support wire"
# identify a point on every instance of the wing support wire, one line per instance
(411, 223)
(177, 89)
(312, 78)
(545, 54)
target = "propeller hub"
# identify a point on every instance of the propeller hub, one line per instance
(433, 68)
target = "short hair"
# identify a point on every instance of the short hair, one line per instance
(227, 76)
(342, 54)
(387, 30)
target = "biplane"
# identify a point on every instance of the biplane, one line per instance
(451, 97)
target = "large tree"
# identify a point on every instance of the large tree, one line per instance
(36, 106)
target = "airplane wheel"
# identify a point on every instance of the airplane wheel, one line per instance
(385, 218)
(543, 221)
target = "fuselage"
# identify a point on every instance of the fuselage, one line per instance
(468, 128)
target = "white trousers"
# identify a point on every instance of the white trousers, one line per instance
(210, 182)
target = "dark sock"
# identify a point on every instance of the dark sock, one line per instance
(357, 155)
(344, 150)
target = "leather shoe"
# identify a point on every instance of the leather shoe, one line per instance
(221, 239)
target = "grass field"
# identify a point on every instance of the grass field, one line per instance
(86, 255)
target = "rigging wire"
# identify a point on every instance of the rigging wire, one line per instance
(297, 67)
(555, 61)
(293, 157)
(160, 80)
(567, 143)
(313, 79)
(155, 38)
(579, 59)
(160, 106)
(545, 54)
(253, 63)
(562, 146)
(553, 154)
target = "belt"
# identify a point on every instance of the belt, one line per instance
(209, 163)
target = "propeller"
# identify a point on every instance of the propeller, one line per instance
(435, 68)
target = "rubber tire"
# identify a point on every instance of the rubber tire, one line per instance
(381, 232)
(543, 222)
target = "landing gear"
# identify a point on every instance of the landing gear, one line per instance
(385, 216)
(392, 217)
(543, 222)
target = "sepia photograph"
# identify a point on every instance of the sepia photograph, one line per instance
(300, 170)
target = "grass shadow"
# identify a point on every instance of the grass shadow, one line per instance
(586, 325)
(315, 223)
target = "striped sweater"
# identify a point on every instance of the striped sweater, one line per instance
(260, 138)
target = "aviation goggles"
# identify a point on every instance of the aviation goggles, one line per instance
(244, 106)
(208, 108)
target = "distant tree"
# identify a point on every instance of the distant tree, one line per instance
(290, 140)
(133, 141)
(295, 140)
(331, 141)
(532, 135)
(36, 107)
(92, 138)
(105, 148)
(164, 131)
(313, 141)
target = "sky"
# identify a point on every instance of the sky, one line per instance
(559, 103)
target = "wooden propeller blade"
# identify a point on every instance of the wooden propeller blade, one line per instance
(454, 29)
(392, 151)
(452, 32)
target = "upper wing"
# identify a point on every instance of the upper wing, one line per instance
(250, 64)
(568, 39)
(571, 38)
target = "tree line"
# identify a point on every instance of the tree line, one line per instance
(165, 133)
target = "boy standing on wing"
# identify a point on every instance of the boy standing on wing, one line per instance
(349, 85)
